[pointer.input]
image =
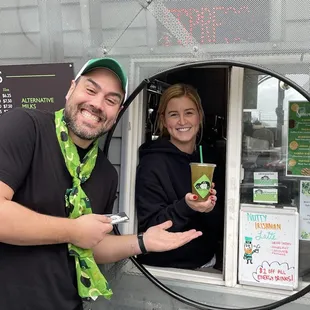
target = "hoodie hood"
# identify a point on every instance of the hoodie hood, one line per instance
(163, 145)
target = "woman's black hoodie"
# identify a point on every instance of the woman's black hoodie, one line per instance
(163, 179)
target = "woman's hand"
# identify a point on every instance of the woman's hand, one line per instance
(202, 206)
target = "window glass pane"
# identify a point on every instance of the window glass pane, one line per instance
(275, 174)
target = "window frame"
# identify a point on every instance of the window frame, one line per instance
(132, 138)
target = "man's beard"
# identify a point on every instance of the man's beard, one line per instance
(70, 117)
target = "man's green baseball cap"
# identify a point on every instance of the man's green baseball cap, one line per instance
(108, 63)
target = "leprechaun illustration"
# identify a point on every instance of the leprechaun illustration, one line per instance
(248, 250)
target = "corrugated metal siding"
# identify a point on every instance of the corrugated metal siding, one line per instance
(54, 31)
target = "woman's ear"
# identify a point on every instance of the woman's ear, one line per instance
(163, 121)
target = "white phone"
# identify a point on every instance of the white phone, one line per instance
(118, 218)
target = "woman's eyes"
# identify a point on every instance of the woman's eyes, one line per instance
(188, 113)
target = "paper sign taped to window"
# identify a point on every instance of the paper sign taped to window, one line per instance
(265, 178)
(265, 195)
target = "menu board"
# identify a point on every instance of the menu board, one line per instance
(268, 247)
(304, 211)
(35, 86)
(298, 161)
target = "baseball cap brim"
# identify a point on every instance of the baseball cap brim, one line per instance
(108, 63)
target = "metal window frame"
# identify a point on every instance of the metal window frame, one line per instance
(233, 162)
(132, 137)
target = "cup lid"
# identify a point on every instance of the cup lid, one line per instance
(203, 164)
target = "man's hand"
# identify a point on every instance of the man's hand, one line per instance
(157, 239)
(201, 206)
(88, 230)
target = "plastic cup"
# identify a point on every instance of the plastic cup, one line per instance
(202, 175)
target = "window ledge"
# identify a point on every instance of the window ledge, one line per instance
(193, 279)
(187, 275)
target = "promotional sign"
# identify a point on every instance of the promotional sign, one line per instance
(304, 211)
(298, 158)
(37, 86)
(266, 178)
(265, 195)
(268, 247)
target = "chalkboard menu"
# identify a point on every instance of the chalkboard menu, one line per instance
(35, 86)
(268, 247)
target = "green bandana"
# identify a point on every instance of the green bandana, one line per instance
(90, 281)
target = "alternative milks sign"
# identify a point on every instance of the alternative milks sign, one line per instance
(36, 86)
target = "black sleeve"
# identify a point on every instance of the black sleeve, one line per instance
(113, 193)
(17, 142)
(152, 203)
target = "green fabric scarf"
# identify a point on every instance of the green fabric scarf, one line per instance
(90, 281)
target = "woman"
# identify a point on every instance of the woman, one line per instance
(163, 181)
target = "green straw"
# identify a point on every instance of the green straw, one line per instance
(201, 156)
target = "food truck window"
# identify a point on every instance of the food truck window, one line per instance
(212, 86)
(255, 101)
(275, 183)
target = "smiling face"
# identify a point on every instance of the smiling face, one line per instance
(182, 121)
(180, 116)
(92, 106)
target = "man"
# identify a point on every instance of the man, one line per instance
(55, 186)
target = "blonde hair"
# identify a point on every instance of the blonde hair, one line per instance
(177, 91)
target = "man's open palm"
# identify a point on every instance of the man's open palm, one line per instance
(158, 239)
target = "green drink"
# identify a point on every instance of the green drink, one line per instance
(202, 175)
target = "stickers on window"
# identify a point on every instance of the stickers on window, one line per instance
(265, 195)
(265, 179)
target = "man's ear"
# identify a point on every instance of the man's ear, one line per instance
(119, 110)
(71, 89)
